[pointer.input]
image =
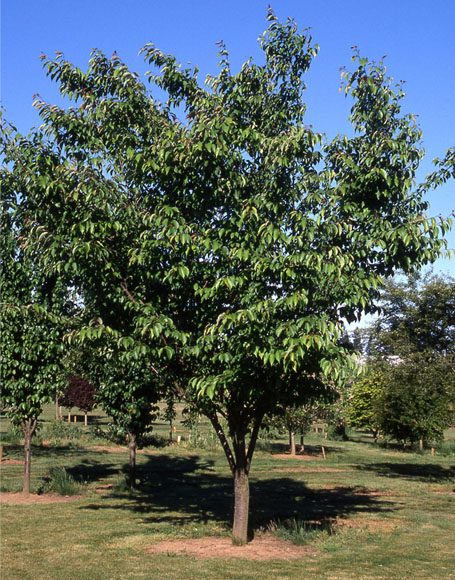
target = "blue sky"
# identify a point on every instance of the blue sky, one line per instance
(417, 37)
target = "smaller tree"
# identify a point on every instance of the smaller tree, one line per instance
(79, 393)
(33, 309)
(169, 414)
(30, 368)
(417, 404)
(295, 420)
(364, 399)
(128, 390)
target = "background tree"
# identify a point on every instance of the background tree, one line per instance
(294, 420)
(128, 391)
(418, 401)
(33, 315)
(80, 393)
(169, 414)
(413, 344)
(417, 315)
(365, 396)
(219, 235)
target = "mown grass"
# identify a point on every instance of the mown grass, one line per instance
(366, 512)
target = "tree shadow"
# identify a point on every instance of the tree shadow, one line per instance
(413, 471)
(182, 490)
(43, 451)
(90, 470)
(312, 450)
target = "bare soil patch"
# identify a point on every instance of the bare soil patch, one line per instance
(310, 470)
(263, 547)
(116, 449)
(371, 524)
(11, 462)
(301, 457)
(108, 448)
(33, 498)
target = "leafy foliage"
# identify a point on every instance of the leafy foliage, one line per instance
(418, 403)
(364, 399)
(409, 391)
(215, 235)
(79, 393)
(418, 314)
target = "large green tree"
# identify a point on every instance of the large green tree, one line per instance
(219, 234)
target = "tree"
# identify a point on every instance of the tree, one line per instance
(294, 420)
(418, 314)
(418, 402)
(126, 388)
(128, 394)
(412, 345)
(32, 321)
(364, 399)
(80, 393)
(294, 233)
(169, 414)
(219, 234)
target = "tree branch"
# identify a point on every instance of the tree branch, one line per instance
(253, 440)
(223, 440)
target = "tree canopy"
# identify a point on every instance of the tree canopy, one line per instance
(216, 233)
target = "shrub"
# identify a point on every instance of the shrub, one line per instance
(57, 431)
(59, 481)
(301, 532)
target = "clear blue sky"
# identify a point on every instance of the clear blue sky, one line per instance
(417, 37)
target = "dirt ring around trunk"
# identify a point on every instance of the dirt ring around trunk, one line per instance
(263, 547)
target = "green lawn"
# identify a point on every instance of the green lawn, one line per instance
(373, 513)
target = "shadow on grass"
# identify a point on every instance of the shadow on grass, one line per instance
(413, 471)
(312, 450)
(90, 470)
(182, 490)
(43, 451)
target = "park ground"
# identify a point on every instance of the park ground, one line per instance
(365, 511)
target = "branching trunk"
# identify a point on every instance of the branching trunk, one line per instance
(28, 429)
(132, 449)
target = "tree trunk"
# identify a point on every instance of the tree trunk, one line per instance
(421, 444)
(292, 442)
(57, 413)
(241, 507)
(28, 428)
(85, 419)
(132, 447)
(302, 444)
(239, 460)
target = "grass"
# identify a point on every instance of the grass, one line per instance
(60, 481)
(366, 512)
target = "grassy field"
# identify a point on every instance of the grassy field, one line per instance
(364, 512)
